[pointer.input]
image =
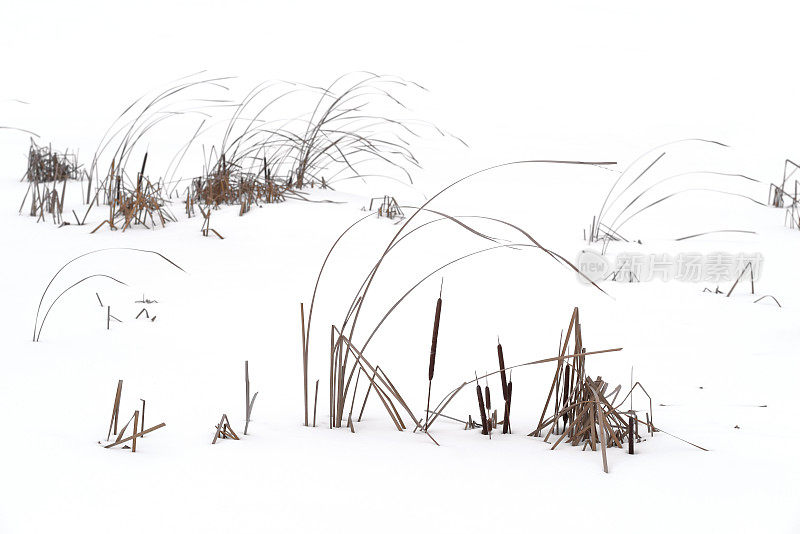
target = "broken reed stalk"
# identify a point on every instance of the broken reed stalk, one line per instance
(394, 392)
(115, 411)
(432, 364)
(246, 395)
(572, 323)
(331, 383)
(136, 435)
(589, 417)
(630, 394)
(143, 405)
(752, 284)
(378, 383)
(457, 420)
(37, 333)
(444, 402)
(759, 299)
(601, 426)
(305, 363)
(355, 390)
(249, 401)
(124, 428)
(135, 429)
(316, 390)
(224, 430)
(369, 388)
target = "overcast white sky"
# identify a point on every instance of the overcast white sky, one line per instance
(544, 79)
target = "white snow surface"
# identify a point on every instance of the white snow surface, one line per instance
(711, 363)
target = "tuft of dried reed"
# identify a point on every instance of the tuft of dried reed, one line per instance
(342, 347)
(641, 181)
(47, 175)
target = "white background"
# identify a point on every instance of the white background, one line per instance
(560, 80)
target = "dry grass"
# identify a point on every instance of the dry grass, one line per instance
(354, 128)
(39, 325)
(641, 181)
(342, 337)
(47, 175)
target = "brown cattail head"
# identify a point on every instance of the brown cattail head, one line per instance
(435, 338)
(488, 399)
(484, 426)
(502, 370)
(141, 174)
(566, 391)
(507, 413)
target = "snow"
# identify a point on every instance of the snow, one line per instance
(709, 362)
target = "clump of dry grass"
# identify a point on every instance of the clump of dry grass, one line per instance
(641, 181)
(229, 184)
(780, 194)
(342, 337)
(47, 175)
(353, 128)
(47, 165)
(133, 197)
(357, 122)
(132, 206)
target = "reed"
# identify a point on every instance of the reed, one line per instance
(482, 410)
(342, 348)
(432, 363)
(47, 175)
(642, 183)
(37, 326)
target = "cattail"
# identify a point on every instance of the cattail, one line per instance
(485, 429)
(435, 338)
(432, 364)
(502, 368)
(488, 399)
(507, 416)
(141, 174)
(630, 434)
(566, 391)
